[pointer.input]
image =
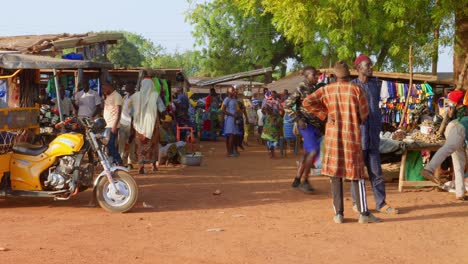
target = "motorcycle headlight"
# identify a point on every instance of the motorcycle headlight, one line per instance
(99, 125)
(104, 137)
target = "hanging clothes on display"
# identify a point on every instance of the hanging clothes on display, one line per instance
(157, 85)
(393, 96)
(167, 93)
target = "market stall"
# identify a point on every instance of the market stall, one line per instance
(19, 80)
(71, 47)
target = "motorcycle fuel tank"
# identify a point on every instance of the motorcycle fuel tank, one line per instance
(65, 144)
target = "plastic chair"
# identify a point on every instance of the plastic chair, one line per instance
(190, 140)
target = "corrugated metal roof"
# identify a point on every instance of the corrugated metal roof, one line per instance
(194, 81)
(235, 76)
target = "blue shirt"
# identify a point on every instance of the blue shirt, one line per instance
(464, 122)
(370, 129)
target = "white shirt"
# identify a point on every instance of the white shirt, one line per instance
(87, 102)
(111, 108)
(126, 118)
(260, 117)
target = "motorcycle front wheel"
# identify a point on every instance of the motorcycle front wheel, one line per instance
(121, 201)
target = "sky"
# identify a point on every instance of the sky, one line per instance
(161, 21)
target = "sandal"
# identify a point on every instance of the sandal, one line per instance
(429, 176)
(388, 210)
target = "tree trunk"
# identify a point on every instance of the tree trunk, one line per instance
(435, 54)
(460, 48)
(381, 58)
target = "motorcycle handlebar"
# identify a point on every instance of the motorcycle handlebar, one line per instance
(83, 121)
(63, 123)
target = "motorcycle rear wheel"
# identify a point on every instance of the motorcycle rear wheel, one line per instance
(117, 203)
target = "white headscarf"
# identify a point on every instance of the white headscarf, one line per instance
(145, 109)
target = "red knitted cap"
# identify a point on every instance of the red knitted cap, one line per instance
(456, 96)
(360, 59)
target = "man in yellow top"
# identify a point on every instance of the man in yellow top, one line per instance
(112, 112)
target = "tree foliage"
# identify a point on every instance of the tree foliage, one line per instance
(133, 51)
(327, 30)
(189, 61)
(232, 41)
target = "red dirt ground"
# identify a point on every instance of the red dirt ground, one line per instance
(263, 220)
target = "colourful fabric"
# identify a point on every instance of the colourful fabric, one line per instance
(274, 104)
(212, 103)
(272, 127)
(345, 105)
(157, 85)
(50, 89)
(147, 149)
(167, 93)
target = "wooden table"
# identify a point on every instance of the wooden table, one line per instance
(416, 146)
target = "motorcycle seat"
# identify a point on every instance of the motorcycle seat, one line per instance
(28, 149)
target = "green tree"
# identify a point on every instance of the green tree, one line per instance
(327, 30)
(232, 41)
(133, 51)
(189, 61)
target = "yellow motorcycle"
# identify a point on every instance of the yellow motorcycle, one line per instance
(66, 167)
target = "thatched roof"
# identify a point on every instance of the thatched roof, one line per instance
(289, 82)
(34, 44)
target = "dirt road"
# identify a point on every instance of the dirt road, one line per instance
(262, 220)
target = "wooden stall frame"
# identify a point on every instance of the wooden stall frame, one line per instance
(402, 182)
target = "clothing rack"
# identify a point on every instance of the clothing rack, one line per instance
(394, 97)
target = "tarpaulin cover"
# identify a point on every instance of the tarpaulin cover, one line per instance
(23, 61)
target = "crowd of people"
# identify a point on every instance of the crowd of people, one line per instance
(140, 124)
(341, 114)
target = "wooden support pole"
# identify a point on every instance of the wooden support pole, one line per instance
(57, 93)
(405, 110)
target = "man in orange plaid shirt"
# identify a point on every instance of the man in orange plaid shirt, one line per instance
(344, 105)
